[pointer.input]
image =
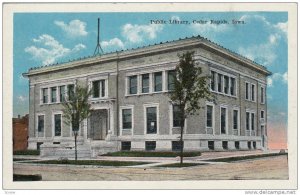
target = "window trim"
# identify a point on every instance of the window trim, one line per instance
(264, 96)
(37, 124)
(131, 107)
(53, 123)
(226, 120)
(90, 86)
(251, 92)
(213, 117)
(238, 119)
(250, 121)
(148, 105)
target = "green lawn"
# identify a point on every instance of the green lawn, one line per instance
(181, 165)
(239, 158)
(18, 177)
(27, 152)
(151, 154)
(21, 159)
(90, 162)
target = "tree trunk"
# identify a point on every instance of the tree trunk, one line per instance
(75, 134)
(181, 141)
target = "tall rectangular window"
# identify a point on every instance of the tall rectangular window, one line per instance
(62, 93)
(53, 94)
(247, 91)
(235, 119)
(209, 116)
(151, 116)
(98, 88)
(252, 121)
(176, 116)
(226, 84)
(219, 83)
(223, 120)
(45, 95)
(262, 114)
(158, 81)
(262, 95)
(252, 92)
(212, 80)
(133, 84)
(145, 83)
(57, 124)
(232, 86)
(71, 91)
(247, 121)
(171, 79)
(127, 119)
(41, 123)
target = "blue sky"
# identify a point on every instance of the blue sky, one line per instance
(47, 38)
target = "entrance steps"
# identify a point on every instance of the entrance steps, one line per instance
(99, 147)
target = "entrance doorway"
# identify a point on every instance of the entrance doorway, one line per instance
(98, 124)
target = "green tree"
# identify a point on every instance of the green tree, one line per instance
(190, 86)
(76, 109)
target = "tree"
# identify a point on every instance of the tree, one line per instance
(188, 88)
(76, 109)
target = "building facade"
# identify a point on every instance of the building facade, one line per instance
(20, 133)
(131, 109)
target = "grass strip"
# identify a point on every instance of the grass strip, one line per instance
(151, 154)
(27, 152)
(91, 162)
(22, 159)
(180, 165)
(18, 177)
(239, 158)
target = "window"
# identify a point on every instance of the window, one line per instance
(176, 145)
(171, 79)
(252, 121)
(212, 81)
(247, 120)
(151, 120)
(254, 145)
(145, 83)
(98, 88)
(150, 145)
(262, 114)
(262, 95)
(249, 145)
(223, 120)
(57, 124)
(226, 85)
(125, 146)
(41, 123)
(252, 92)
(133, 84)
(38, 145)
(235, 119)
(209, 116)
(70, 91)
(232, 86)
(126, 118)
(158, 81)
(219, 83)
(45, 95)
(247, 91)
(225, 145)
(237, 145)
(53, 94)
(211, 145)
(176, 116)
(62, 93)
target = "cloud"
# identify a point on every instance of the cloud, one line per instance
(75, 28)
(277, 77)
(209, 30)
(138, 33)
(283, 26)
(22, 98)
(175, 18)
(48, 50)
(264, 53)
(113, 44)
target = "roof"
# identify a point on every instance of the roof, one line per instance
(119, 53)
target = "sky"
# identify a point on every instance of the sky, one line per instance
(48, 38)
